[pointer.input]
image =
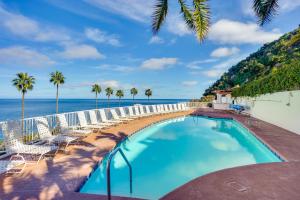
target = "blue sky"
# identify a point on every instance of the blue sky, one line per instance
(111, 43)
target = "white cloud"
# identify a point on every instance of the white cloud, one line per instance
(233, 32)
(156, 40)
(218, 69)
(224, 52)
(195, 65)
(189, 83)
(133, 9)
(110, 83)
(25, 27)
(158, 63)
(117, 68)
(100, 36)
(82, 51)
(213, 73)
(23, 56)
(288, 5)
(177, 26)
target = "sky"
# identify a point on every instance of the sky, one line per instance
(111, 43)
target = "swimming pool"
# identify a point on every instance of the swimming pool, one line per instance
(171, 153)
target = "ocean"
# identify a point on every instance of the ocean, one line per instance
(10, 109)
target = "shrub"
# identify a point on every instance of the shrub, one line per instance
(285, 78)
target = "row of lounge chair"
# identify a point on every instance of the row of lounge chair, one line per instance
(49, 143)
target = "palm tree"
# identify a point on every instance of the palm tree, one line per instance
(23, 83)
(109, 91)
(265, 10)
(148, 93)
(197, 18)
(97, 90)
(133, 92)
(57, 78)
(120, 94)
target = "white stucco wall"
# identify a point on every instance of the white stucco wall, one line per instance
(281, 109)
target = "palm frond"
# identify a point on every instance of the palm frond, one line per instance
(159, 15)
(187, 15)
(201, 17)
(23, 82)
(265, 9)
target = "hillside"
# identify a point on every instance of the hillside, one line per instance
(273, 56)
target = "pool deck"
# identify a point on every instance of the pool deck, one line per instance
(60, 177)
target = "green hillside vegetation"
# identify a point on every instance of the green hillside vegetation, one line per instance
(274, 67)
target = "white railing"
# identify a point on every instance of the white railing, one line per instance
(30, 133)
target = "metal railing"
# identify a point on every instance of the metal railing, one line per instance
(111, 155)
(30, 134)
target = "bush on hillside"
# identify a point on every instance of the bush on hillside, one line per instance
(285, 78)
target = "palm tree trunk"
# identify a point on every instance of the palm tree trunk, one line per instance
(133, 97)
(22, 123)
(96, 101)
(119, 102)
(148, 98)
(57, 99)
(108, 101)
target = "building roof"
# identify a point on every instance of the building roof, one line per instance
(222, 91)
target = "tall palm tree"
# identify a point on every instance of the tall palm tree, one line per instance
(57, 78)
(109, 91)
(148, 93)
(120, 94)
(133, 92)
(97, 90)
(197, 18)
(23, 83)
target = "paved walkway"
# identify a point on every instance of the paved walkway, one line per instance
(60, 177)
(279, 181)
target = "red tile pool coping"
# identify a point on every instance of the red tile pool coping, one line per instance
(60, 177)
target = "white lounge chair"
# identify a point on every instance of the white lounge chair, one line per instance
(148, 112)
(171, 108)
(46, 135)
(116, 117)
(154, 108)
(8, 165)
(166, 109)
(16, 148)
(137, 112)
(131, 114)
(159, 109)
(185, 106)
(174, 107)
(180, 107)
(162, 109)
(142, 112)
(123, 114)
(84, 124)
(70, 130)
(94, 121)
(105, 120)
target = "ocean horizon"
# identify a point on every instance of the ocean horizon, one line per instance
(10, 108)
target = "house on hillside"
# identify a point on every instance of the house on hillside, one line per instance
(223, 99)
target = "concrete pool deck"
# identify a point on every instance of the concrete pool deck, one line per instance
(60, 177)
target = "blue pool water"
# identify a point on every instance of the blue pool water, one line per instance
(166, 155)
